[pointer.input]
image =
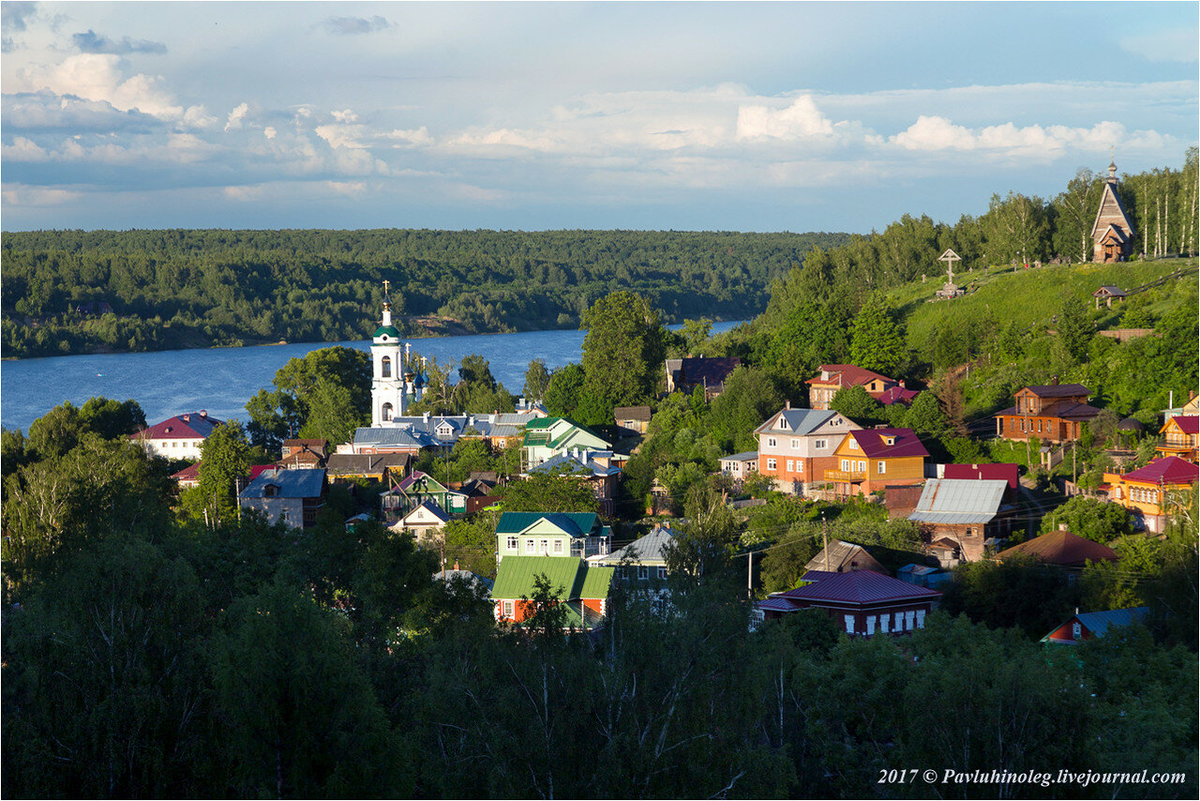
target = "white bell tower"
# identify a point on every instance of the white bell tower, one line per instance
(387, 369)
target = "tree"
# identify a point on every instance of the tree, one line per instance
(925, 416)
(695, 333)
(332, 414)
(879, 342)
(330, 385)
(549, 492)
(224, 460)
(1016, 227)
(858, 405)
(548, 616)
(1074, 328)
(475, 369)
(1089, 518)
(112, 419)
(537, 380)
(564, 389)
(706, 543)
(623, 349)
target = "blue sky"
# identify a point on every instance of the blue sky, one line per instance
(729, 116)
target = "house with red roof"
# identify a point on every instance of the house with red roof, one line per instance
(1062, 549)
(180, 437)
(1181, 437)
(1051, 413)
(898, 394)
(1150, 493)
(870, 460)
(834, 377)
(796, 446)
(865, 602)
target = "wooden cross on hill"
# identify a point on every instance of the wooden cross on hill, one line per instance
(949, 257)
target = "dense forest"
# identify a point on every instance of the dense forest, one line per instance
(173, 289)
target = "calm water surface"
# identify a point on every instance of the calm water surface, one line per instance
(221, 380)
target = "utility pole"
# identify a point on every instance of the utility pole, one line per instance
(825, 541)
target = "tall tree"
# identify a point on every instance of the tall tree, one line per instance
(878, 342)
(537, 380)
(224, 460)
(623, 349)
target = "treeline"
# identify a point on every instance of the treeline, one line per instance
(183, 288)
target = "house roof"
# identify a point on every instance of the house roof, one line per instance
(959, 501)
(463, 575)
(1188, 424)
(425, 481)
(650, 549)
(710, 371)
(845, 555)
(632, 413)
(394, 437)
(311, 443)
(290, 483)
(860, 587)
(1006, 472)
(1061, 548)
(1109, 291)
(744, 456)
(1099, 622)
(570, 578)
(575, 465)
(1168, 470)
(847, 375)
(799, 421)
(430, 507)
(873, 442)
(189, 473)
(1057, 390)
(898, 394)
(365, 462)
(577, 524)
(192, 425)
(1110, 208)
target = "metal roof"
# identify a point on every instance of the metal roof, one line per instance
(799, 421)
(649, 549)
(570, 578)
(577, 524)
(744, 456)
(1099, 622)
(1061, 548)
(956, 501)
(297, 483)
(860, 587)
(1168, 470)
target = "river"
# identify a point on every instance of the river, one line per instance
(221, 380)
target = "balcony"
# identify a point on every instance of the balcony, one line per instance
(583, 547)
(846, 475)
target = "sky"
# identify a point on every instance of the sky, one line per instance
(839, 116)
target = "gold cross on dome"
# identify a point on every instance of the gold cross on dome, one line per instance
(385, 286)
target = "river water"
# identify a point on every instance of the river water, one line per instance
(221, 380)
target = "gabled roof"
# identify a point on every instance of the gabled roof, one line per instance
(422, 481)
(1056, 390)
(1107, 291)
(1005, 472)
(873, 442)
(842, 556)
(1099, 622)
(365, 462)
(632, 413)
(570, 578)
(959, 501)
(1187, 423)
(1168, 470)
(576, 524)
(711, 371)
(289, 484)
(1110, 204)
(571, 464)
(430, 507)
(898, 394)
(192, 425)
(650, 549)
(860, 587)
(848, 375)
(393, 437)
(744, 456)
(799, 421)
(1061, 548)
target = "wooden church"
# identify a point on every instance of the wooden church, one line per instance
(1112, 233)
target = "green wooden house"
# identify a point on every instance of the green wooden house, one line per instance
(548, 437)
(581, 586)
(558, 534)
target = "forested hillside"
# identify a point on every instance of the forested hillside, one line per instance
(178, 288)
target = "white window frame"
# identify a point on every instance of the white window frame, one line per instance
(845, 465)
(853, 444)
(820, 444)
(529, 545)
(795, 444)
(884, 620)
(849, 620)
(909, 618)
(791, 465)
(870, 625)
(643, 573)
(512, 544)
(862, 466)
(544, 547)
(506, 610)
(881, 467)
(920, 618)
(771, 464)
(770, 442)
(558, 546)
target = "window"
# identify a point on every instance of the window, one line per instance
(544, 547)
(909, 616)
(853, 444)
(920, 618)
(662, 572)
(1076, 631)
(510, 544)
(385, 367)
(881, 467)
(771, 464)
(529, 545)
(883, 623)
(1039, 425)
(508, 609)
(791, 468)
(558, 546)
(770, 442)
(643, 573)
(795, 444)
(819, 444)
(870, 625)
(862, 467)
(849, 624)
(845, 465)
(386, 412)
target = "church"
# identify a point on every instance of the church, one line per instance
(395, 383)
(1112, 232)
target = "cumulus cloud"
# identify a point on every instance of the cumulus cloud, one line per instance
(23, 149)
(91, 42)
(269, 132)
(45, 110)
(99, 77)
(23, 195)
(341, 136)
(353, 26)
(801, 119)
(236, 116)
(410, 138)
(345, 115)
(932, 133)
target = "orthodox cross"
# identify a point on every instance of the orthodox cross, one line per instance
(385, 286)
(949, 257)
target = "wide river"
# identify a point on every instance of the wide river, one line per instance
(221, 380)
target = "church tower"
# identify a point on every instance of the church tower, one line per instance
(1112, 232)
(387, 383)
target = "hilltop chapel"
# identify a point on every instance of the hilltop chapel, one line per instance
(394, 384)
(1112, 233)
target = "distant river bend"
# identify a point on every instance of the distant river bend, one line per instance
(221, 380)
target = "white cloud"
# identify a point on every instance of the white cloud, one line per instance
(269, 132)
(22, 195)
(346, 115)
(410, 138)
(934, 134)
(801, 119)
(236, 116)
(342, 136)
(1164, 46)
(23, 149)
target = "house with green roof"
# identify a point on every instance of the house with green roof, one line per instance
(555, 534)
(581, 586)
(548, 437)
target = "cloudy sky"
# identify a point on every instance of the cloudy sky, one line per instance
(730, 116)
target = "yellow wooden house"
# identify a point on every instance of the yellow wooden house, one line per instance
(872, 459)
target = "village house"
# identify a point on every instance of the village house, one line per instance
(739, 465)
(384, 468)
(179, 437)
(581, 587)
(633, 419)
(425, 521)
(684, 375)
(834, 377)
(598, 468)
(958, 517)
(1112, 232)
(554, 534)
(1180, 438)
(870, 460)
(548, 437)
(642, 564)
(1051, 413)
(306, 453)
(417, 488)
(1090, 625)
(189, 477)
(865, 602)
(841, 557)
(797, 446)
(291, 496)
(1150, 493)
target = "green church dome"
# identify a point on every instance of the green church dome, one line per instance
(387, 331)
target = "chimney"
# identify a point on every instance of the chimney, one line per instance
(1054, 380)
(902, 384)
(187, 418)
(456, 564)
(426, 417)
(204, 413)
(787, 404)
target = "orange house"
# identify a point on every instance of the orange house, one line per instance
(1150, 492)
(872, 459)
(575, 583)
(1180, 438)
(833, 377)
(1052, 413)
